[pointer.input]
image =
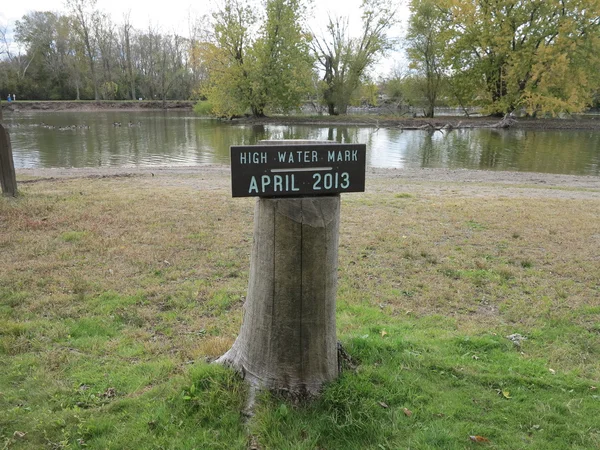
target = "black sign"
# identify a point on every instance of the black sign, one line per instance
(293, 170)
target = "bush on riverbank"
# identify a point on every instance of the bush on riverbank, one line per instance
(114, 291)
(203, 108)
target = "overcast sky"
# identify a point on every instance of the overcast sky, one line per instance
(173, 15)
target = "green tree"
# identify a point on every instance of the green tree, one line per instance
(425, 47)
(269, 71)
(281, 78)
(541, 55)
(344, 60)
(227, 86)
(47, 39)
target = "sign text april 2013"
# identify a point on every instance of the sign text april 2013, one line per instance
(294, 170)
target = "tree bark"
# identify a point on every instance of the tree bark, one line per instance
(8, 180)
(287, 342)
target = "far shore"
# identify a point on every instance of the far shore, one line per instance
(384, 118)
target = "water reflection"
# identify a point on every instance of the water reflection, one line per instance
(114, 138)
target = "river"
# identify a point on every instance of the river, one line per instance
(157, 138)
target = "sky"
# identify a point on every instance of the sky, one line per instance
(173, 15)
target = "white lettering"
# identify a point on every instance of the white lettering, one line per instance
(277, 183)
(265, 181)
(345, 180)
(317, 178)
(253, 158)
(253, 186)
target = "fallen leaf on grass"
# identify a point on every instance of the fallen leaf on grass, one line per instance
(552, 371)
(383, 333)
(479, 439)
(593, 388)
(19, 434)
(407, 412)
(505, 394)
(383, 405)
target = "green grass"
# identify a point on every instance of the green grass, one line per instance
(116, 293)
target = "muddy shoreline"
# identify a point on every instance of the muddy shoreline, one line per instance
(364, 120)
(434, 182)
(85, 105)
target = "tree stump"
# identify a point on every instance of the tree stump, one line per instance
(8, 180)
(287, 342)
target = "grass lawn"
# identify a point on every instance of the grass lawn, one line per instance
(116, 293)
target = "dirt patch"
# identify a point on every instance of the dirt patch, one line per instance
(446, 182)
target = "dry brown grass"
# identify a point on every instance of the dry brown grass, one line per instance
(173, 256)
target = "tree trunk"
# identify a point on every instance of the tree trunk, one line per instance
(8, 180)
(287, 342)
(331, 109)
(429, 111)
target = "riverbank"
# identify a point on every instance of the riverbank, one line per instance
(90, 105)
(442, 123)
(468, 300)
(383, 120)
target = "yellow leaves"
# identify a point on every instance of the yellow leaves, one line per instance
(528, 54)
(407, 412)
(384, 333)
(504, 393)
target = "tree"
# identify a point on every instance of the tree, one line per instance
(344, 60)
(170, 64)
(47, 39)
(281, 78)
(540, 55)
(106, 39)
(227, 87)
(86, 20)
(258, 70)
(425, 44)
(126, 31)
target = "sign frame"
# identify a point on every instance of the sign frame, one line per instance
(297, 170)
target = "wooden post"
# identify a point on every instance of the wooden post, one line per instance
(8, 179)
(287, 342)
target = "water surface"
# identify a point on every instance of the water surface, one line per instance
(151, 138)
